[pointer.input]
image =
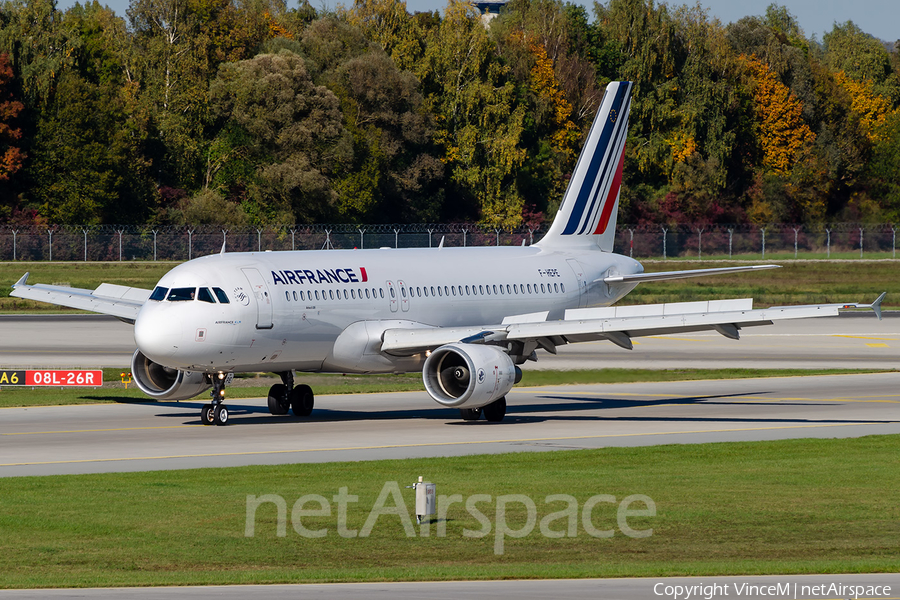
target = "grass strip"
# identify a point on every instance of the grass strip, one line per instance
(795, 506)
(325, 384)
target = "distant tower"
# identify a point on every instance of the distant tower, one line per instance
(488, 9)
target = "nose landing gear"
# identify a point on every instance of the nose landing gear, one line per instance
(216, 412)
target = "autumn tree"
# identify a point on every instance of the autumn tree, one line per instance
(11, 154)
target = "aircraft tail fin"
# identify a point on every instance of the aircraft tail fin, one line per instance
(587, 215)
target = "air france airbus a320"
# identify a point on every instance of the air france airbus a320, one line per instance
(464, 317)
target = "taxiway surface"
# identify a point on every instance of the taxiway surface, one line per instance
(150, 436)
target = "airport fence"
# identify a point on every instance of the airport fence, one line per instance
(134, 243)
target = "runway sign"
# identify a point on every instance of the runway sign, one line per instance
(52, 378)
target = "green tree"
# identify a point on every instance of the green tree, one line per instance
(289, 128)
(83, 167)
(479, 124)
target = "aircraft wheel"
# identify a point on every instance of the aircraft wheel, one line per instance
(470, 414)
(220, 415)
(302, 400)
(276, 399)
(495, 411)
(207, 414)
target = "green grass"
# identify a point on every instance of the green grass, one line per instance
(324, 384)
(797, 506)
(798, 282)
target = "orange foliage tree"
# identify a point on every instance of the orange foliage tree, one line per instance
(782, 132)
(11, 157)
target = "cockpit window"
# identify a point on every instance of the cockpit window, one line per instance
(159, 294)
(221, 295)
(181, 294)
(204, 295)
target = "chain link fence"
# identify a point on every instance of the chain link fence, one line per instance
(131, 243)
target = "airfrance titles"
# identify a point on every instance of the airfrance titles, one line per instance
(303, 276)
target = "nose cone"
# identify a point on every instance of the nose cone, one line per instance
(157, 334)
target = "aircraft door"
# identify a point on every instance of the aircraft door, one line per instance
(260, 292)
(404, 296)
(582, 285)
(392, 295)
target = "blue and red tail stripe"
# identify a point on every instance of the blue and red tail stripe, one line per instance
(598, 187)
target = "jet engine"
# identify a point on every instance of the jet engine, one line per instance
(163, 383)
(469, 375)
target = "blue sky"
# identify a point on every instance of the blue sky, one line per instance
(880, 18)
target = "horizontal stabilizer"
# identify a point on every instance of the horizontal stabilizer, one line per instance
(667, 275)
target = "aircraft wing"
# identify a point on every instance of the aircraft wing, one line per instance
(617, 324)
(665, 275)
(108, 299)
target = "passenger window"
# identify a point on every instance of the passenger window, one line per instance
(287, 295)
(508, 291)
(331, 294)
(529, 288)
(439, 291)
(317, 294)
(542, 289)
(181, 294)
(495, 290)
(453, 289)
(467, 290)
(556, 287)
(481, 290)
(381, 292)
(221, 295)
(446, 291)
(353, 294)
(403, 292)
(393, 295)
(346, 295)
(159, 294)
(302, 295)
(367, 292)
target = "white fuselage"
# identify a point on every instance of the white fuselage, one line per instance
(286, 310)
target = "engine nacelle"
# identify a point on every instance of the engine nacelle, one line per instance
(468, 375)
(163, 383)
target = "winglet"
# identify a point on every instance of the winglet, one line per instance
(876, 306)
(22, 281)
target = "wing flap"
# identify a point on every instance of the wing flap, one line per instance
(116, 300)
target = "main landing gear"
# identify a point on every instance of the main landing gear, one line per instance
(493, 412)
(285, 396)
(216, 412)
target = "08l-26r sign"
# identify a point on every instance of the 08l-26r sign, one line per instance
(54, 378)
